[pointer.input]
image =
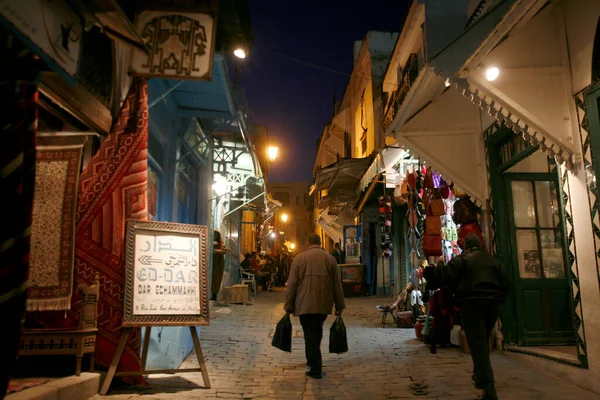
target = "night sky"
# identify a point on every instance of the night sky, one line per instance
(294, 100)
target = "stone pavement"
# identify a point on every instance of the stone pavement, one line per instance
(382, 363)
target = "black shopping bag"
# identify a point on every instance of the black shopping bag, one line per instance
(282, 339)
(338, 343)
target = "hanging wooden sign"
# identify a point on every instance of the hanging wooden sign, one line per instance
(166, 274)
(181, 42)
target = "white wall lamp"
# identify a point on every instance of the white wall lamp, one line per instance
(492, 73)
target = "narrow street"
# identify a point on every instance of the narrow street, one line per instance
(384, 363)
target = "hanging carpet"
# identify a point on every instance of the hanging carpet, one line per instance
(112, 189)
(53, 226)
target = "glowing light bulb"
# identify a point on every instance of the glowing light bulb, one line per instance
(239, 53)
(492, 73)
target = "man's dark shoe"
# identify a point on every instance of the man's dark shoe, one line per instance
(314, 373)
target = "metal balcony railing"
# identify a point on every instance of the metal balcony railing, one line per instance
(409, 74)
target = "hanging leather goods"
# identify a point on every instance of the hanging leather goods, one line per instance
(432, 245)
(428, 179)
(433, 225)
(411, 178)
(436, 205)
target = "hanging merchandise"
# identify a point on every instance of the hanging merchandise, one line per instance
(437, 180)
(459, 192)
(432, 241)
(465, 215)
(385, 224)
(432, 245)
(449, 236)
(401, 193)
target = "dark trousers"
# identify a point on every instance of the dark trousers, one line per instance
(263, 279)
(479, 318)
(312, 325)
(217, 273)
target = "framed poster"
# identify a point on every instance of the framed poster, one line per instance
(352, 242)
(166, 274)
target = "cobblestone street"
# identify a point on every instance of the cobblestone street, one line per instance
(383, 363)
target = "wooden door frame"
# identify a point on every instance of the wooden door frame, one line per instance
(502, 219)
(592, 96)
(507, 178)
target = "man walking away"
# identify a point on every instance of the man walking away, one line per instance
(314, 286)
(339, 255)
(481, 285)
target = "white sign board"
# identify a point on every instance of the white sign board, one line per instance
(181, 45)
(166, 269)
(52, 27)
(167, 276)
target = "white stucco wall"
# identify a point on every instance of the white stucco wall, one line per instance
(588, 280)
(581, 20)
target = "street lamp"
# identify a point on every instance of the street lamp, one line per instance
(284, 217)
(239, 53)
(272, 152)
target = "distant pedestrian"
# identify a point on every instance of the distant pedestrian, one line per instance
(314, 287)
(480, 284)
(246, 263)
(339, 254)
(218, 268)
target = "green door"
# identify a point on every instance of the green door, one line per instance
(540, 274)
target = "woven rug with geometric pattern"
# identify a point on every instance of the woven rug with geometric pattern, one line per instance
(53, 226)
(112, 189)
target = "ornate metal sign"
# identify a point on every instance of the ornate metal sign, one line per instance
(167, 274)
(181, 45)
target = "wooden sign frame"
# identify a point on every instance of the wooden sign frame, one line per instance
(130, 319)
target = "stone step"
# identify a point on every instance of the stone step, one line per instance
(81, 387)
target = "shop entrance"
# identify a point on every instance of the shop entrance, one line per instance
(531, 242)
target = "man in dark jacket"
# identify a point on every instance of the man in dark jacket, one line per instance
(481, 285)
(339, 255)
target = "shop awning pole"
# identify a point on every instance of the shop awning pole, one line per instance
(244, 204)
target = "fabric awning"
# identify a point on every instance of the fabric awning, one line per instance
(384, 162)
(343, 175)
(527, 97)
(327, 222)
(341, 180)
(114, 21)
(446, 134)
(482, 37)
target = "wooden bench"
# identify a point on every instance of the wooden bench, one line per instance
(77, 342)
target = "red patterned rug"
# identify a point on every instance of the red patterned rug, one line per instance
(112, 189)
(53, 227)
(16, 385)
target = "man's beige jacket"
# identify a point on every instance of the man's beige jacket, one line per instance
(314, 283)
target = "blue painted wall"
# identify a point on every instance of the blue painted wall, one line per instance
(169, 346)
